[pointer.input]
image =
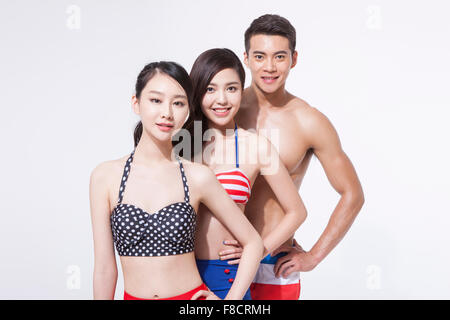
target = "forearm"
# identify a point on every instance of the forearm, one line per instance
(283, 231)
(105, 285)
(248, 265)
(340, 222)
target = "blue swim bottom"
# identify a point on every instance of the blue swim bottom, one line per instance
(218, 276)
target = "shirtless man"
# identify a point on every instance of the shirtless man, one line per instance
(303, 132)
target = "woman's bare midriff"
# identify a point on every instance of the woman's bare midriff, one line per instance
(210, 235)
(160, 277)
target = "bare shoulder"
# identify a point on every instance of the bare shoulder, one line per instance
(104, 172)
(310, 119)
(197, 173)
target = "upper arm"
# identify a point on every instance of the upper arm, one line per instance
(100, 216)
(326, 145)
(214, 196)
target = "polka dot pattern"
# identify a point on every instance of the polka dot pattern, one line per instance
(169, 231)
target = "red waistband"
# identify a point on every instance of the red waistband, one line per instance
(185, 296)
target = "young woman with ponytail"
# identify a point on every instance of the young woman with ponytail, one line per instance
(145, 203)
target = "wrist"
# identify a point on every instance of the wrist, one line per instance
(316, 257)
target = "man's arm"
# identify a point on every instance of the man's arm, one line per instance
(324, 142)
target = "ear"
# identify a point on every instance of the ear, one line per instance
(135, 105)
(294, 59)
(246, 58)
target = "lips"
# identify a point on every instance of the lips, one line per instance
(221, 112)
(164, 126)
(269, 80)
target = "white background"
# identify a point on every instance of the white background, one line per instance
(378, 69)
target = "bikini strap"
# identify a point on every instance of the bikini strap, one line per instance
(185, 184)
(236, 145)
(126, 173)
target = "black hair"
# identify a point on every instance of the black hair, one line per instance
(271, 24)
(205, 67)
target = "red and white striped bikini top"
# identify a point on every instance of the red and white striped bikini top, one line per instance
(235, 181)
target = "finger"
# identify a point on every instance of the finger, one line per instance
(225, 252)
(212, 296)
(199, 294)
(230, 251)
(287, 270)
(281, 249)
(234, 261)
(282, 268)
(231, 256)
(279, 263)
(231, 243)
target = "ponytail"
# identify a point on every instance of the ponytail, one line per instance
(137, 133)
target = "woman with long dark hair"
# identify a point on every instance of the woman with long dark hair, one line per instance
(146, 202)
(237, 157)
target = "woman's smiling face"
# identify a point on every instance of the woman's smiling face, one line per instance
(222, 98)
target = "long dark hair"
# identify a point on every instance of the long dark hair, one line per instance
(205, 67)
(173, 70)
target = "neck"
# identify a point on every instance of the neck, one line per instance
(217, 139)
(272, 99)
(223, 131)
(152, 151)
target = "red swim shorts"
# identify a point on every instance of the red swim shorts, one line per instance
(185, 296)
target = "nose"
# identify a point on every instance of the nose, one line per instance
(167, 111)
(270, 66)
(222, 97)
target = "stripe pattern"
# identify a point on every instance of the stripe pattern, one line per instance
(266, 286)
(236, 183)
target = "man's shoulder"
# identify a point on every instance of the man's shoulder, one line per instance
(308, 117)
(306, 114)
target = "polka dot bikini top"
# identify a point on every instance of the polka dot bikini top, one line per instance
(168, 231)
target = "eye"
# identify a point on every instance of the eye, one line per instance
(154, 100)
(280, 56)
(232, 89)
(258, 57)
(210, 89)
(179, 103)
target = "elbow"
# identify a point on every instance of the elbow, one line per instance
(260, 244)
(362, 200)
(105, 277)
(359, 199)
(257, 243)
(355, 200)
(302, 217)
(299, 216)
(106, 271)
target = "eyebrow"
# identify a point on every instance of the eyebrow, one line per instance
(227, 84)
(160, 93)
(278, 52)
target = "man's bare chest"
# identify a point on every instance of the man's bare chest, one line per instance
(284, 132)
